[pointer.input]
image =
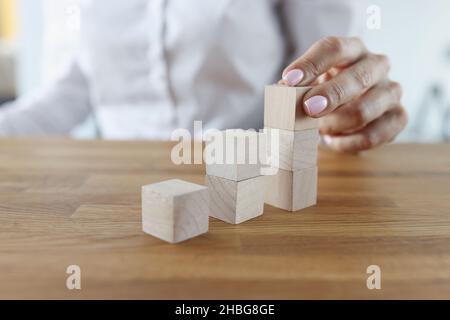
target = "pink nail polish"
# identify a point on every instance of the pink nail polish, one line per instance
(293, 77)
(316, 105)
(327, 139)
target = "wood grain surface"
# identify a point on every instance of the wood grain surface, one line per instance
(65, 202)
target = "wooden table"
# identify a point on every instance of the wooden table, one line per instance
(66, 202)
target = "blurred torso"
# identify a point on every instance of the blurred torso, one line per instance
(154, 66)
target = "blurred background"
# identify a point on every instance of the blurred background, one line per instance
(36, 36)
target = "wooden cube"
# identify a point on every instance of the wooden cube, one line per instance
(296, 149)
(283, 108)
(175, 210)
(292, 190)
(235, 153)
(236, 201)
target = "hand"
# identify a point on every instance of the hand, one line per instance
(358, 106)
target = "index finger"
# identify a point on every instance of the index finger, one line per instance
(325, 54)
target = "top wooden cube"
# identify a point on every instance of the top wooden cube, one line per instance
(283, 108)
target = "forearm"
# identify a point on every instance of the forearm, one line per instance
(54, 110)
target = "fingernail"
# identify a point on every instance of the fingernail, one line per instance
(293, 77)
(316, 105)
(327, 139)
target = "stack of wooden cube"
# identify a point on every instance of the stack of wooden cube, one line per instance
(236, 186)
(294, 186)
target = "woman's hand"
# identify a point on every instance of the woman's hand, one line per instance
(358, 106)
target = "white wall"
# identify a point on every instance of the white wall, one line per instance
(29, 45)
(416, 36)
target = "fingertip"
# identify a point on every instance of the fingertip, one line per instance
(328, 140)
(293, 77)
(403, 116)
(315, 105)
(314, 116)
(337, 145)
(331, 143)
